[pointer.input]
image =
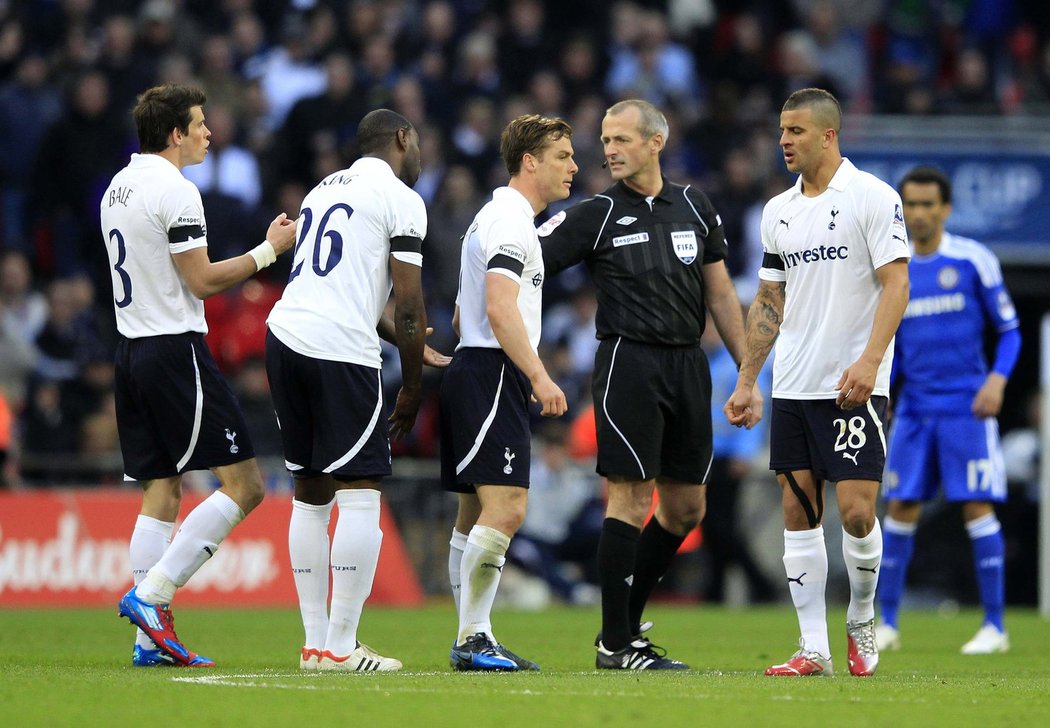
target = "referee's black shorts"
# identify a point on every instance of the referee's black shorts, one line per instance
(652, 409)
(175, 411)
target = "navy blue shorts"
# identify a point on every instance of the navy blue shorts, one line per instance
(835, 444)
(485, 438)
(652, 410)
(175, 411)
(331, 415)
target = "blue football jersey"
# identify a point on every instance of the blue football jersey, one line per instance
(955, 293)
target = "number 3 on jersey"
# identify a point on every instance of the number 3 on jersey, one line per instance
(125, 279)
(335, 242)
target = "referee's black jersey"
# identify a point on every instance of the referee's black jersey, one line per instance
(646, 257)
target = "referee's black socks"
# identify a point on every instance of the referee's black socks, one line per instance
(656, 548)
(617, 549)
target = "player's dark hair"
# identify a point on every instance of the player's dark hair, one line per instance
(379, 129)
(530, 134)
(161, 109)
(825, 106)
(929, 175)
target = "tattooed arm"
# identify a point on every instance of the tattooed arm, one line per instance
(763, 326)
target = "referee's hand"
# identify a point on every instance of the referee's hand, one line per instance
(549, 396)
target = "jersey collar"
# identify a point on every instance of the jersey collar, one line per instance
(372, 165)
(513, 197)
(633, 197)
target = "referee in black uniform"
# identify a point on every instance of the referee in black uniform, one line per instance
(656, 252)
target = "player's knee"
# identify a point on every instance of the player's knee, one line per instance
(858, 519)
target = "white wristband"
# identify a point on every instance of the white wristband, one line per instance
(264, 255)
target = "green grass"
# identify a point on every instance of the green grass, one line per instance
(71, 667)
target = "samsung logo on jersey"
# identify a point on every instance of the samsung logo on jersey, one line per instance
(933, 305)
(824, 252)
(630, 239)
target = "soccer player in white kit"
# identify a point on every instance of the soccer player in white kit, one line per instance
(834, 285)
(485, 438)
(361, 235)
(175, 412)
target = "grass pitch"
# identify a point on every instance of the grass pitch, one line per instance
(71, 667)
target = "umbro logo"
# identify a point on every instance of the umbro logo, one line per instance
(626, 220)
(797, 579)
(865, 568)
(487, 565)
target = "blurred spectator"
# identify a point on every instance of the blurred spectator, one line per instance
(841, 54)
(68, 334)
(321, 126)
(28, 106)
(17, 361)
(288, 73)
(79, 152)
(118, 59)
(24, 308)
(475, 139)
(973, 91)
(652, 67)
(524, 43)
(217, 75)
(560, 534)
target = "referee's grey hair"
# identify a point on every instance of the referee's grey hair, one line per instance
(652, 120)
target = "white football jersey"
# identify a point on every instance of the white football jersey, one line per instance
(340, 279)
(827, 249)
(502, 239)
(149, 213)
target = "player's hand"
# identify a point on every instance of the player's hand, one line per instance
(550, 397)
(856, 384)
(281, 233)
(989, 399)
(434, 358)
(405, 410)
(739, 408)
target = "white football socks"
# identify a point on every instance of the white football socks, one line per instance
(806, 566)
(197, 540)
(483, 560)
(149, 541)
(355, 553)
(456, 545)
(308, 548)
(862, 557)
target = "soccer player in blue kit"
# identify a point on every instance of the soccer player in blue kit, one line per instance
(945, 432)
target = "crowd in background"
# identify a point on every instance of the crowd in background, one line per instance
(287, 83)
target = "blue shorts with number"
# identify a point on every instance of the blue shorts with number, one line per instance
(960, 453)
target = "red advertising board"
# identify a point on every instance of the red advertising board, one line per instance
(70, 548)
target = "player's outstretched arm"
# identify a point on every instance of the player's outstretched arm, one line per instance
(858, 381)
(501, 306)
(205, 278)
(744, 408)
(431, 357)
